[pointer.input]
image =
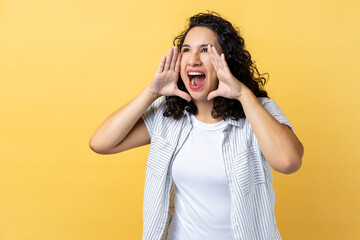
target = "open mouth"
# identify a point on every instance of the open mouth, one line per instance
(196, 79)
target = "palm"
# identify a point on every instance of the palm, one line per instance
(165, 80)
(229, 86)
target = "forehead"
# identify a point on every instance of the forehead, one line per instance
(201, 35)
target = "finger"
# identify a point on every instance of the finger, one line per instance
(215, 58)
(168, 60)
(213, 94)
(162, 64)
(212, 57)
(182, 94)
(174, 58)
(224, 63)
(178, 63)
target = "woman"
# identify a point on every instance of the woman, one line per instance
(213, 138)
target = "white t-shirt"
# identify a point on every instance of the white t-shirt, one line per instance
(202, 195)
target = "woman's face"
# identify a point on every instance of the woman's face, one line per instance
(197, 71)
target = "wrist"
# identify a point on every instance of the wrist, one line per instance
(151, 93)
(245, 94)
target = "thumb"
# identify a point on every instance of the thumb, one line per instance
(213, 94)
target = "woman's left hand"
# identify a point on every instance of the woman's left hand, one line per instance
(229, 86)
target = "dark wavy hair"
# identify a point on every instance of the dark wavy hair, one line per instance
(238, 60)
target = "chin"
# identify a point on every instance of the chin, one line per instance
(199, 96)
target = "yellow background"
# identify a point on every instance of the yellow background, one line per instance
(67, 65)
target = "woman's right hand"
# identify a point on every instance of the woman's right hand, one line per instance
(165, 80)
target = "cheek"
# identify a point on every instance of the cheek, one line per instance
(183, 74)
(207, 62)
(182, 69)
(210, 68)
(184, 80)
(211, 72)
(183, 77)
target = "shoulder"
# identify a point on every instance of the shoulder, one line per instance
(158, 104)
(273, 108)
(270, 105)
(155, 121)
(155, 109)
(265, 101)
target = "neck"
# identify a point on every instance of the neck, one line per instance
(204, 111)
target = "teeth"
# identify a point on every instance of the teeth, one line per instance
(192, 82)
(195, 73)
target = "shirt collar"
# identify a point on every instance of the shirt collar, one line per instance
(239, 123)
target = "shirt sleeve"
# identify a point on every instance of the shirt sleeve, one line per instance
(275, 111)
(152, 113)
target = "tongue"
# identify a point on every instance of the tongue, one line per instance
(199, 79)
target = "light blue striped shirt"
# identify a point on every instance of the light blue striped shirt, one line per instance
(248, 174)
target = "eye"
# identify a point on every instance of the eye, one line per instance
(185, 50)
(205, 50)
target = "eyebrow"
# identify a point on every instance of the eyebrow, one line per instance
(202, 45)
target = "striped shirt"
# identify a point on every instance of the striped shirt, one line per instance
(248, 174)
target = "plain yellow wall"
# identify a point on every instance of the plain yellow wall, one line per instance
(67, 65)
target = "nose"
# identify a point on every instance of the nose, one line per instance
(194, 59)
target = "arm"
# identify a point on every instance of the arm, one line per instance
(124, 129)
(280, 146)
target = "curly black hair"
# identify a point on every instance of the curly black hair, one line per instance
(238, 60)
